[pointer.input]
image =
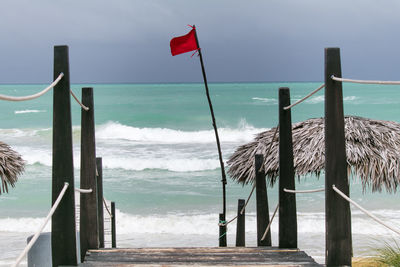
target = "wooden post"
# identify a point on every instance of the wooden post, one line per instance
(89, 226)
(338, 218)
(240, 226)
(262, 203)
(287, 201)
(63, 237)
(222, 231)
(100, 209)
(113, 226)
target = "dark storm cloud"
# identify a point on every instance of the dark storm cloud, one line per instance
(258, 40)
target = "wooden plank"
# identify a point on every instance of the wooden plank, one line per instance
(89, 226)
(287, 201)
(222, 230)
(240, 225)
(338, 217)
(261, 256)
(113, 226)
(63, 237)
(262, 203)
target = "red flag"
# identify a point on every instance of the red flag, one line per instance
(185, 43)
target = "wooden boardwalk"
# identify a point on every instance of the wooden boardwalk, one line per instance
(261, 256)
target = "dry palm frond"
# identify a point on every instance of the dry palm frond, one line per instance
(372, 149)
(11, 166)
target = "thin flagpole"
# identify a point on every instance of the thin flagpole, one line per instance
(214, 125)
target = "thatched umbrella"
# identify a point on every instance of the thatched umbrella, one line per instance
(11, 166)
(372, 149)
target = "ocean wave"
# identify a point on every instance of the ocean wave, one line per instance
(186, 224)
(28, 111)
(128, 161)
(115, 130)
(175, 165)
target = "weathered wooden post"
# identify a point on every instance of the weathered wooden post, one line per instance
(113, 226)
(100, 209)
(287, 201)
(262, 203)
(240, 226)
(63, 236)
(89, 226)
(338, 218)
(222, 231)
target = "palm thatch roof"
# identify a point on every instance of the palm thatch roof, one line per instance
(11, 166)
(372, 149)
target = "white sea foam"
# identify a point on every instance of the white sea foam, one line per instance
(321, 99)
(115, 130)
(22, 225)
(28, 111)
(316, 99)
(266, 100)
(350, 98)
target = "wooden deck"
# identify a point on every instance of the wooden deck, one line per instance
(261, 256)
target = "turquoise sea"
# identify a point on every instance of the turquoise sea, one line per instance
(161, 165)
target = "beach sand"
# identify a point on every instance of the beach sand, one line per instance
(366, 262)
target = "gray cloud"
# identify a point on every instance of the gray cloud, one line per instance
(258, 40)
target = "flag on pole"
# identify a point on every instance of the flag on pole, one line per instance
(185, 43)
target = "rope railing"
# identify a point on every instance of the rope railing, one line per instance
(36, 236)
(304, 98)
(254, 185)
(364, 210)
(79, 102)
(364, 81)
(270, 223)
(84, 191)
(303, 191)
(30, 97)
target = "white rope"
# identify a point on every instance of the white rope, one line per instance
(79, 102)
(36, 236)
(30, 97)
(307, 96)
(226, 223)
(303, 191)
(84, 191)
(364, 81)
(105, 204)
(364, 210)
(270, 222)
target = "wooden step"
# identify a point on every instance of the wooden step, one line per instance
(260, 256)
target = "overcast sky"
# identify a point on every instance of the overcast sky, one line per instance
(253, 40)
